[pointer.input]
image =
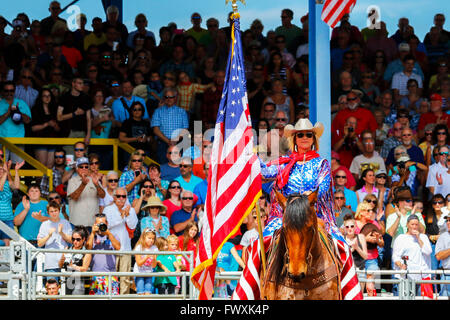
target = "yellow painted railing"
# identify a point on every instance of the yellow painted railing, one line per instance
(40, 169)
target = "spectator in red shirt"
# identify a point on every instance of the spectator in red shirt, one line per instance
(436, 115)
(345, 142)
(365, 118)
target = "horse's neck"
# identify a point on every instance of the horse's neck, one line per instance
(316, 250)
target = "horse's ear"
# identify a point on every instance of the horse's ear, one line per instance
(281, 199)
(312, 197)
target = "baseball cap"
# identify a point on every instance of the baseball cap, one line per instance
(380, 172)
(435, 97)
(403, 46)
(82, 160)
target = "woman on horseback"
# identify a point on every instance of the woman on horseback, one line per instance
(303, 171)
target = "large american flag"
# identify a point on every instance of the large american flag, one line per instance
(333, 10)
(234, 179)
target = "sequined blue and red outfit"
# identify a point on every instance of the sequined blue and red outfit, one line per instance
(313, 174)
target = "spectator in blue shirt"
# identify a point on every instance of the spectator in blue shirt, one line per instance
(187, 180)
(30, 213)
(201, 188)
(187, 214)
(14, 115)
(167, 122)
(6, 192)
(177, 63)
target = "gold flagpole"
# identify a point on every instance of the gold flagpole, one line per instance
(258, 211)
(261, 239)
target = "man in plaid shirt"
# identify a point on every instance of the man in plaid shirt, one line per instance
(60, 175)
(167, 122)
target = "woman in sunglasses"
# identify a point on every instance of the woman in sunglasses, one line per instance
(134, 176)
(357, 243)
(173, 198)
(304, 171)
(77, 262)
(136, 130)
(146, 191)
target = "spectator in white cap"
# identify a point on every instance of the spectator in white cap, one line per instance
(84, 191)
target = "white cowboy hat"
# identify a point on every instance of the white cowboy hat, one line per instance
(304, 125)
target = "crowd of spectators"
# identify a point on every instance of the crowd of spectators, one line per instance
(390, 94)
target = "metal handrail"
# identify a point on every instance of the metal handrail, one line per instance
(10, 143)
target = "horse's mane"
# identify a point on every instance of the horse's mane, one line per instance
(294, 217)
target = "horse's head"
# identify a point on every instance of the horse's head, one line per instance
(300, 225)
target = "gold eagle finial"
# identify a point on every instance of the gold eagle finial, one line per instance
(234, 4)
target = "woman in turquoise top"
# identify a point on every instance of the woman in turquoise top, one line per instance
(155, 221)
(6, 193)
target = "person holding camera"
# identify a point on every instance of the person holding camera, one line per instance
(134, 176)
(345, 142)
(101, 238)
(14, 115)
(121, 218)
(405, 171)
(77, 261)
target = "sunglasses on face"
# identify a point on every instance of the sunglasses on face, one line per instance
(381, 177)
(184, 166)
(438, 202)
(350, 226)
(76, 239)
(148, 187)
(341, 177)
(188, 198)
(54, 198)
(59, 157)
(123, 196)
(113, 180)
(96, 163)
(136, 160)
(83, 167)
(339, 198)
(444, 153)
(300, 135)
(170, 97)
(371, 201)
(175, 187)
(79, 149)
(352, 99)
(441, 133)
(281, 119)
(137, 109)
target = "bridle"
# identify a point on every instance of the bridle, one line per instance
(286, 261)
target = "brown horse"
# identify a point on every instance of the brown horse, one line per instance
(302, 263)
